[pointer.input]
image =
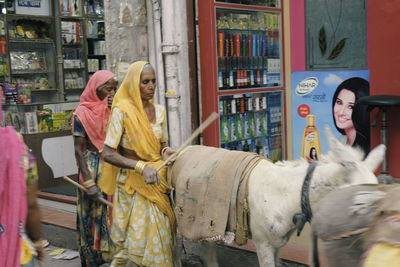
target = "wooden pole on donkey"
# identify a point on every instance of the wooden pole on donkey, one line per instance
(201, 128)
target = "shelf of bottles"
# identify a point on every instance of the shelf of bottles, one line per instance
(252, 122)
(248, 49)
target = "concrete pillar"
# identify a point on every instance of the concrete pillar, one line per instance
(175, 51)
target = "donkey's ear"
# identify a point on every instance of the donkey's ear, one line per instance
(375, 157)
(337, 148)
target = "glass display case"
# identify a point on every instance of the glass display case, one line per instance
(248, 45)
(39, 117)
(74, 55)
(31, 51)
(96, 52)
(252, 122)
(245, 82)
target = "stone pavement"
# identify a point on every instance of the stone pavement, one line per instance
(48, 260)
(227, 257)
(63, 235)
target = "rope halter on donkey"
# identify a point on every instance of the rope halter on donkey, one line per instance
(300, 219)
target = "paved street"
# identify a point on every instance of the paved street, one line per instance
(50, 262)
(227, 257)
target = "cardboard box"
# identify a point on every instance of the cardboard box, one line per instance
(31, 123)
(59, 121)
(45, 121)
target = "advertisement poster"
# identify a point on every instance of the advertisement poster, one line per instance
(329, 98)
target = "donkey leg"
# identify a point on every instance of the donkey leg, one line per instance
(177, 250)
(277, 258)
(209, 251)
(265, 253)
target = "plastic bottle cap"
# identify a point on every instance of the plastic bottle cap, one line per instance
(310, 120)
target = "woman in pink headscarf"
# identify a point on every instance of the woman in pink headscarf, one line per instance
(19, 211)
(89, 126)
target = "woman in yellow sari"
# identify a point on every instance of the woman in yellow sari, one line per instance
(135, 146)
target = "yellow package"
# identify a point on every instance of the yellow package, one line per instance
(20, 31)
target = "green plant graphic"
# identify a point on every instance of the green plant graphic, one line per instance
(323, 39)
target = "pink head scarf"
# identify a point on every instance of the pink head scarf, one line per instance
(13, 205)
(93, 112)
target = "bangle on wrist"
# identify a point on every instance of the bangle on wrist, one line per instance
(139, 167)
(89, 183)
(163, 150)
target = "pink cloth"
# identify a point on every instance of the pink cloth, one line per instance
(13, 205)
(93, 112)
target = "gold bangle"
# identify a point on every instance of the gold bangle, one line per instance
(163, 150)
(89, 183)
(139, 167)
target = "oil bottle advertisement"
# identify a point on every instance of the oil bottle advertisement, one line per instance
(329, 98)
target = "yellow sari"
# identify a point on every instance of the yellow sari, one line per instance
(133, 197)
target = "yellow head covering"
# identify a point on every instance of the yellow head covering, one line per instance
(145, 143)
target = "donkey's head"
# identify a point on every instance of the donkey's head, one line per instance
(351, 166)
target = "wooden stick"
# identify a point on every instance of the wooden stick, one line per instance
(201, 128)
(108, 203)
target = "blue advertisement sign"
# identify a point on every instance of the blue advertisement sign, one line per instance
(322, 98)
(29, 3)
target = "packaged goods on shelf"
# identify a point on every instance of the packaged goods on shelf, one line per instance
(45, 122)
(3, 46)
(263, 3)
(103, 63)
(31, 122)
(248, 121)
(72, 63)
(36, 82)
(28, 61)
(70, 8)
(59, 121)
(70, 31)
(28, 29)
(94, 7)
(72, 80)
(99, 48)
(1, 27)
(93, 65)
(92, 29)
(18, 122)
(11, 93)
(71, 53)
(24, 96)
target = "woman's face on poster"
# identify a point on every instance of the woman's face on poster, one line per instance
(343, 109)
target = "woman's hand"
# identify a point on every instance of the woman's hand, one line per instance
(151, 175)
(93, 192)
(167, 153)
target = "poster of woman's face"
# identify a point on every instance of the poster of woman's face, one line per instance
(332, 96)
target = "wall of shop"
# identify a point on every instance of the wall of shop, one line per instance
(384, 65)
(126, 34)
(383, 62)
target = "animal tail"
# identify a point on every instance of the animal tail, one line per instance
(314, 250)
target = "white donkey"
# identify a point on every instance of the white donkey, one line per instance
(283, 195)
